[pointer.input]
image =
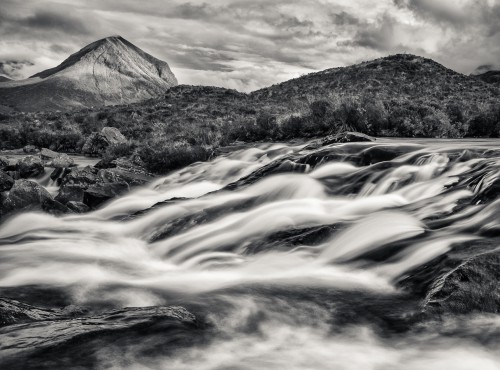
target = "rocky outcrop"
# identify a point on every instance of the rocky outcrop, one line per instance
(30, 166)
(97, 142)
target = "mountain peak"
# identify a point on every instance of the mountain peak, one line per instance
(108, 71)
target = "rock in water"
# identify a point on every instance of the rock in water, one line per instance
(107, 72)
(61, 161)
(25, 194)
(48, 154)
(30, 166)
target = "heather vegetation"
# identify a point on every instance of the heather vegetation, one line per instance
(403, 96)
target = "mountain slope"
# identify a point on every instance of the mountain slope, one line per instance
(396, 77)
(107, 72)
(492, 77)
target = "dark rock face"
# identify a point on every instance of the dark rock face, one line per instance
(6, 182)
(97, 143)
(15, 312)
(30, 166)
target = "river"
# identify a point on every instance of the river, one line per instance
(375, 255)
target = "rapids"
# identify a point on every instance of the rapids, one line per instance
(375, 255)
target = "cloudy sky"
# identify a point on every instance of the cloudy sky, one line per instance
(248, 44)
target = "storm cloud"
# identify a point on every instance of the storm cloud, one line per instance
(246, 44)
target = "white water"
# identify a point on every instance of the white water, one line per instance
(96, 258)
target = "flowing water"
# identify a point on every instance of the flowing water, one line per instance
(354, 256)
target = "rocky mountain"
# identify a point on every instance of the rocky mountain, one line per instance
(106, 72)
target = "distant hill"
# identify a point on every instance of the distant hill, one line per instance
(4, 79)
(397, 77)
(491, 77)
(106, 72)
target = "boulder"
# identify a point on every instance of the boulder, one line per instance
(113, 136)
(48, 154)
(82, 177)
(77, 207)
(30, 166)
(70, 193)
(61, 161)
(6, 182)
(30, 149)
(25, 194)
(122, 170)
(97, 194)
(97, 142)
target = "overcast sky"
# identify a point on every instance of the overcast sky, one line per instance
(248, 44)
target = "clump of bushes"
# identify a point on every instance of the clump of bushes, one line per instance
(162, 155)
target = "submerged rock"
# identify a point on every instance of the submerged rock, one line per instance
(30, 166)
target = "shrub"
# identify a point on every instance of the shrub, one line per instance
(162, 156)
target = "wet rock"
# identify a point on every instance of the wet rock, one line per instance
(30, 166)
(56, 173)
(97, 143)
(70, 193)
(47, 154)
(125, 171)
(6, 182)
(82, 177)
(30, 149)
(61, 161)
(340, 138)
(15, 312)
(24, 194)
(472, 286)
(85, 342)
(77, 207)
(97, 194)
